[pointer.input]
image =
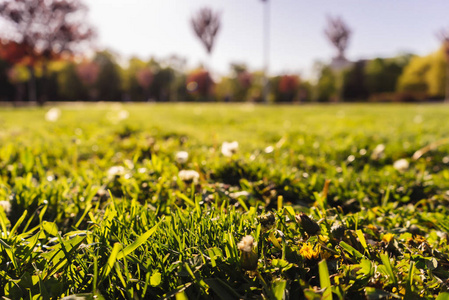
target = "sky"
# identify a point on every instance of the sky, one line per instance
(385, 28)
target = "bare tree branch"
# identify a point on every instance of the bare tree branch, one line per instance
(206, 25)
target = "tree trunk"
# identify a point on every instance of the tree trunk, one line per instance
(32, 94)
(447, 81)
(45, 85)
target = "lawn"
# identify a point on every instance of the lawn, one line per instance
(148, 201)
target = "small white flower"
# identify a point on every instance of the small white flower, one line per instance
(378, 152)
(246, 244)
(401, 165)
(228, 149)
(189, 175)
(53, 114)
(6, 206)
(269, 149)
(116, 170)
(123, 115)
(239, 194)
(181, 157)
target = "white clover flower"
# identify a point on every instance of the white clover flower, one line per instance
(228, 149)
(246, 244)
(6, 206)
(122, 115)
(53, 114)
(378, 152)
(116, 170)
(181, 157)
(239, 194)
(269, 149)
(189, 175)
(401, 165)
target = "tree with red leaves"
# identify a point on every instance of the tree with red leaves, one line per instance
(200, 84)
(288, 87)
(37, 31)
(145, 79)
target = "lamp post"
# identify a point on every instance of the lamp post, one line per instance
(266, 49)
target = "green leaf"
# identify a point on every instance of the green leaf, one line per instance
(325, 281)
(388, 268)
(111, 261)
(137, 243)
(155, 279)
(222, 289)
(443, 296)
(351, 250)
(278, 289)
(50, 228)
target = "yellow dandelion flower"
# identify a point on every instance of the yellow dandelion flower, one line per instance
(387, 237)
(309, 253)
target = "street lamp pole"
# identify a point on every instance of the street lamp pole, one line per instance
(266, 49)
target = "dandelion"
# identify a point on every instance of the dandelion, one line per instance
(115, 170)
(181, 157)
(6, 205)
(309, 253)
(228, 149)
(309, 225)
(378, 152)
(122, 115)
(246, 244)
(236, 195)
(189, 176)
(387, 238)
(248, 258)
(401, 165)
(269, 149)
(53, 114)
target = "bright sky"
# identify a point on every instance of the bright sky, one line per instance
(160, 28)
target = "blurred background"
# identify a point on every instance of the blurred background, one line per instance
(282, 51)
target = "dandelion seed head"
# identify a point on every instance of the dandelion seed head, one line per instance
(53, 114)
(246, 244)
(401, 165)
(181, 157)
(189, 175)
(269, 149)
(228, 149)
(6, 206)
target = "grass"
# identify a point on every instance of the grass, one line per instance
(98, 208)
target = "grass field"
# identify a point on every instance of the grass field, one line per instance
(340, 201)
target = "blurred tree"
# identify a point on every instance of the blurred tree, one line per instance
(326, 87)
(382, 74)
(206, 24)
(109, 82)
(288, 88)
(443, 35)
(338, 33)
(144, 78)
(42, 30)
(178, 82)
(199, 85)
(9, 81)
(241, 82)
(424, 76)
(130, 84)
(70, 83)
(354, 85)
(88, 72)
